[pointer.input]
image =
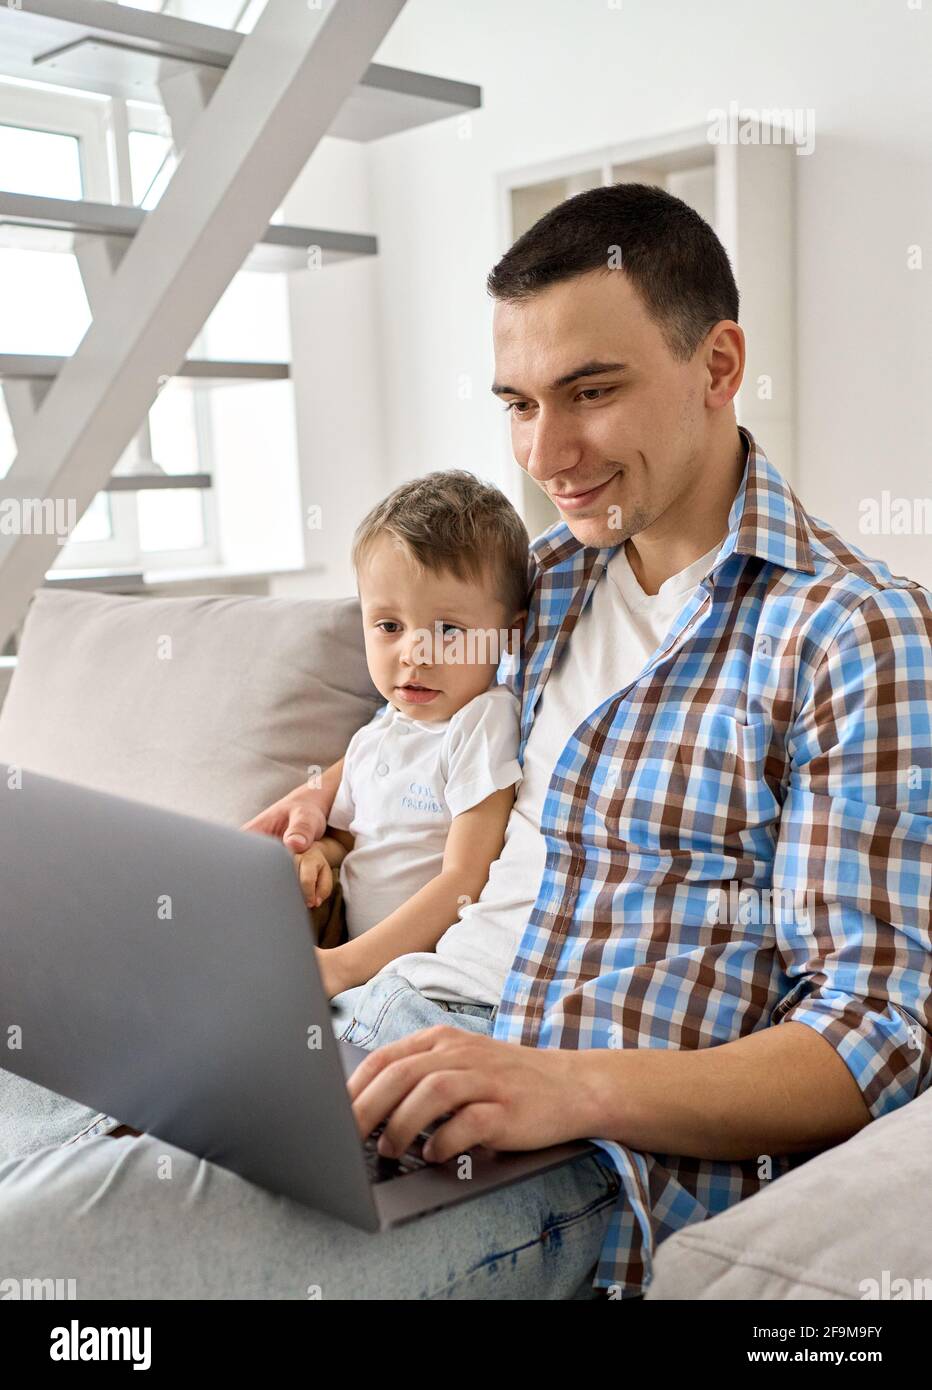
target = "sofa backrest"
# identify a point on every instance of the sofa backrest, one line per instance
(212, 706)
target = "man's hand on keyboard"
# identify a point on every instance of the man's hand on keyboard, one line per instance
(499, 1094)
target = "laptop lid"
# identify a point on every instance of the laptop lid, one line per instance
(161, 968)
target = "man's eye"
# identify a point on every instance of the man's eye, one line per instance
(449, 628)
(589, 393)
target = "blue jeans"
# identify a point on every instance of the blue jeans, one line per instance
(389, 1008)
(142, 1219)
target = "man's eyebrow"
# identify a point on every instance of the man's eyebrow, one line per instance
(587, 369)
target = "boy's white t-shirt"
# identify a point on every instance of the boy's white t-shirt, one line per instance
(617, 633)
(404, 780)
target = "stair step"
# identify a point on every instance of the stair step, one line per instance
(195, 371)
(53, 224)
(120, 51)
(154, 482)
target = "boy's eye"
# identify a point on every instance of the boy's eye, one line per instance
(388, 625)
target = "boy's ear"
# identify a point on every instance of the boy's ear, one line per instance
(518, 621)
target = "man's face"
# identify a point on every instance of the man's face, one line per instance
(613, 447)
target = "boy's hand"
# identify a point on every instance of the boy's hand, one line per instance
(315, 875)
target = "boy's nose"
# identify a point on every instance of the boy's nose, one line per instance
(418, 650)
(415, 655)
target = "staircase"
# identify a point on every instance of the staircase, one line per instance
(246, 111)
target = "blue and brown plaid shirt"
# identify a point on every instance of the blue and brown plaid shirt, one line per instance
(741, 837)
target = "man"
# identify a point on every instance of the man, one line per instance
(719, 854)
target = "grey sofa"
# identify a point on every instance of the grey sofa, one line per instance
(855, 1222)
(217, 706)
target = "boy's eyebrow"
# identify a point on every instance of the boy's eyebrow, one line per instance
(592, 368)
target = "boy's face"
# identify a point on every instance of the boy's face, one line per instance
(432, 640)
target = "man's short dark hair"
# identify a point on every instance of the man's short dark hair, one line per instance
(670, 254)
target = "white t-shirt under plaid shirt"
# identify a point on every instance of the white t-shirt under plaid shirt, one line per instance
(404, 780)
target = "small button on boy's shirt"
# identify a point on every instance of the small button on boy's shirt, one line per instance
(404, 780)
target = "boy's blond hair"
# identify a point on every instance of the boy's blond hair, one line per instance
(451, 521)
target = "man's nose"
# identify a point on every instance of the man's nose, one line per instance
(554, 447)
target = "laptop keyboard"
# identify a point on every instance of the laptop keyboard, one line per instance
(380, 1169)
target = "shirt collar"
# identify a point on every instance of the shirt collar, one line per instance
(766, 519)
(397, 716)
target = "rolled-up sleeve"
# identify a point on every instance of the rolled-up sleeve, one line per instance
(854, 854)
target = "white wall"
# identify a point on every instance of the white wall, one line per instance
(336, 369)
(561, 77)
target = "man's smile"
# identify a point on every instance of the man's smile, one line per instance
(574, 501)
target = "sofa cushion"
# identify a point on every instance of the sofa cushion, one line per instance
(848, 1224)
(212, 706)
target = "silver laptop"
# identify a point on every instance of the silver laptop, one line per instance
(162, 969)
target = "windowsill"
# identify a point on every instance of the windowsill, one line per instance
(156, 578)
(134, 580)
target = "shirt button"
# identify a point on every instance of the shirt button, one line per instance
(382, 769)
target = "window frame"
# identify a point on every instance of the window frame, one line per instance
(101, 126)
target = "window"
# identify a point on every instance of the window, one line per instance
(226, 14)
(59, 144)
(152, 162)
(45, 309)
(75, 145)
(50, 146)
(40, 161)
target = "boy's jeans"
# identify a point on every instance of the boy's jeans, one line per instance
(139, 1218)
(389, 1008)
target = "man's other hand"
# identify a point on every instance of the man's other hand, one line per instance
(297, 820)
